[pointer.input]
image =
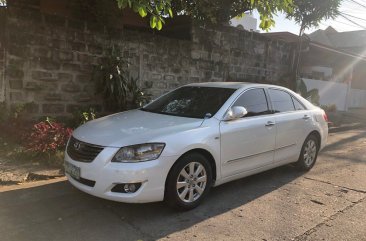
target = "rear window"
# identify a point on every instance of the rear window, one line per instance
(281, 100)
(298, 105)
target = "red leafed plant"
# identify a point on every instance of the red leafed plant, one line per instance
(48, 137)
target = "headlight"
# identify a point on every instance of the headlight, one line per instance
(139, 153)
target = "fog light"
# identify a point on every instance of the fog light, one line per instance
(129, 187)
(126, 187)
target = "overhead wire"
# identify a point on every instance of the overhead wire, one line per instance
(348, 24)
(352, 16)
(345, 13)
(350, 20)
(355, 2)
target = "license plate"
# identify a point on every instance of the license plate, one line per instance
(72, 170)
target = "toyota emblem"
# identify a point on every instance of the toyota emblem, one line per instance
(77, 145)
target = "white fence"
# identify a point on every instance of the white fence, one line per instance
(357, 98)
(338, 94)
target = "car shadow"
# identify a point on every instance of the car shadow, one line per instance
(60, 212)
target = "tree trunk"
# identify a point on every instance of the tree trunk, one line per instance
(295, 70)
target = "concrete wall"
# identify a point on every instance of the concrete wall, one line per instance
(50, 59)
(2, 54)
(2, 74)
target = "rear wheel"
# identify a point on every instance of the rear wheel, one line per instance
(309, 153)
(189, 181)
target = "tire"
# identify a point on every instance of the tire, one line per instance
(309, 153)
(193, 185)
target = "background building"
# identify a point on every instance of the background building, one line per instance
(247, 22)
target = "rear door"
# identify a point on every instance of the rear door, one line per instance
(292, 122)
(248, 143)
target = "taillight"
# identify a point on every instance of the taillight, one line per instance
(325, 117)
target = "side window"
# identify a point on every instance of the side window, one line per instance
(298, 105)
(255, 101)
(281, 100)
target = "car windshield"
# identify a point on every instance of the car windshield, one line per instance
(191, 101)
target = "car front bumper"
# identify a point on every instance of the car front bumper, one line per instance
(107, 174)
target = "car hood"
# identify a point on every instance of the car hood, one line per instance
(132, 127)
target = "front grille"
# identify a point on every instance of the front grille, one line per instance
(81, 151)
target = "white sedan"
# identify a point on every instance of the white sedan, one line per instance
(193, 138)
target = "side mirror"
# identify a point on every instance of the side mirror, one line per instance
(235, 112)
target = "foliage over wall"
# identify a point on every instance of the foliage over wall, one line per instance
(211, 12)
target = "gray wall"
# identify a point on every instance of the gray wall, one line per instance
(49, 59)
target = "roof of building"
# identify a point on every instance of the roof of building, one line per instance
(282, 36)
(321, 37)
(339, 40)
(349, 43)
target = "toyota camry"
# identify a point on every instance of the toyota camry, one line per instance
(187, 141)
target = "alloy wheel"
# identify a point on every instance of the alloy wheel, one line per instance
(310, 152)
(191, 182)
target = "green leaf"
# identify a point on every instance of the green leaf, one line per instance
(153, 22)
(142, 12)
(160, 6)
(170, 12)
(159, 25)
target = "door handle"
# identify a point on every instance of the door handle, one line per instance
(270, 123)
(306, 117)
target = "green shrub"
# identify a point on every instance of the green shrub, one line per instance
(81, 116)
(329, 108)
(113, 81)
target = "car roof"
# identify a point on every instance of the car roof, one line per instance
(231, 85)
(245, 85)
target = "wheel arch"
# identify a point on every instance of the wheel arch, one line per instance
(317, 135)
(206, 154)
(203, 152)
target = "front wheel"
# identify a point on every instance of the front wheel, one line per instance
(189, 181)
(309, 153)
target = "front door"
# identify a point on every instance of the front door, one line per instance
(248, 143)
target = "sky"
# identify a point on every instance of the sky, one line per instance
(355, 12)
